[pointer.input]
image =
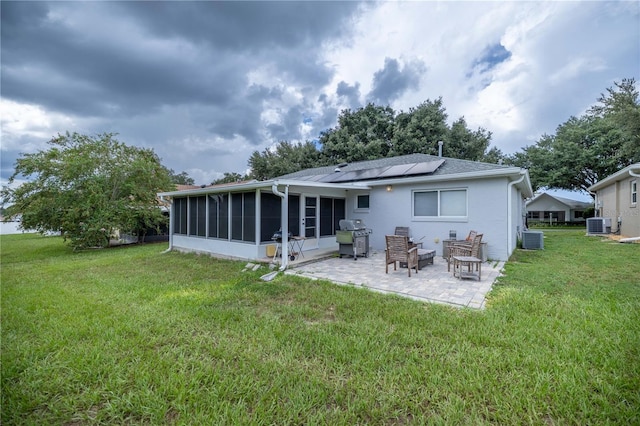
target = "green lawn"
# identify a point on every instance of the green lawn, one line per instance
(137, 336)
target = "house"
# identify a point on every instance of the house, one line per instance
(430, 194)
(617, 199)
(549, 208)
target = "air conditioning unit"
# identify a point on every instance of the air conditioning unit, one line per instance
(599, 225)
(532, 240)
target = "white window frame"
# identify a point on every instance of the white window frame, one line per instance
(440, 217)
(634, 192)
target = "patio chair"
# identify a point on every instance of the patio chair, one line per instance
(404, 230)
(398, 251)
(467, 256)
(465, 244)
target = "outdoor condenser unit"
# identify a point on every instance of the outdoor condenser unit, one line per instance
(532, 240)
(599, 225)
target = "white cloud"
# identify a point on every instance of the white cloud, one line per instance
(576, 67)
(530, 93)
(205, 97)
(27, 127)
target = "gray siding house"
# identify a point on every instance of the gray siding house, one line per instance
(432, 195)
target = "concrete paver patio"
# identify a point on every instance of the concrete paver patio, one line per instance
(433, 283)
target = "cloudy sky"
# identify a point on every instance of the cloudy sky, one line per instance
(207, 83)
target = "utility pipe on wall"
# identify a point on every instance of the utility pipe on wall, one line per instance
(284, 223)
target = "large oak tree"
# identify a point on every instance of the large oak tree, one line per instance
(588, 148)
(374, 132)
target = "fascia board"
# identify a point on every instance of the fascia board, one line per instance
(264, 184)
(216, 189)
(622, 174)
(511, 172)
(448, 177)
(307, 184)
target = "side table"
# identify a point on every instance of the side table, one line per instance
(474, 267)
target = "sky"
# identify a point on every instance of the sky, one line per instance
(205, 84)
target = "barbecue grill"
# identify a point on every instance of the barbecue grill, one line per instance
(353, 238)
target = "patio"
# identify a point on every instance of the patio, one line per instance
(432, 284)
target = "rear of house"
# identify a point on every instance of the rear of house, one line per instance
(431, 195)
(617, 199)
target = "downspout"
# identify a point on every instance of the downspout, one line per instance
(170, 222)
(284, 223)
(509, 212)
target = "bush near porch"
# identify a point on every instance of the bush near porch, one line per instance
(132, 335)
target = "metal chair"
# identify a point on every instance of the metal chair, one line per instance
(398, 251)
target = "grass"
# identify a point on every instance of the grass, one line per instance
(136, 336)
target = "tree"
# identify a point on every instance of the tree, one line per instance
(181, 178)
(420, 129)
(285, 158)
(621, 108)
(375, 132)
(88, 187)
(586, 149)
(465, 144)
(230, 178)
(365, 134)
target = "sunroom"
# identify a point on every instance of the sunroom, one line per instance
(239, 220)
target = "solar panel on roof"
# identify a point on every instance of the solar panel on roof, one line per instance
(344, 177)
(424, 168)
(358, 175)
(410, 169)
(315, 178)
(327, 178)
(373, 173)
(398, 170)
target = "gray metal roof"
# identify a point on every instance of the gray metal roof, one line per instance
(450, 166)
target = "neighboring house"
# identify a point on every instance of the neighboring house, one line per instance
(432, 195)
(617, 199)
(553, 209)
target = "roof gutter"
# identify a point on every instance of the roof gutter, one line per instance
(284, 222)
(450, 177)
(265, 184)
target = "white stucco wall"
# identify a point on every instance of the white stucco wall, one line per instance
(212, 245)
(543, 204)
(487, 214)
